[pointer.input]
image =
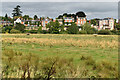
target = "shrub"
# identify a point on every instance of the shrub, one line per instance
(119, 32)
(53, 66)
(88, 60)
(17, 62)
(3, 30)
(44, 31)
(82, 32)
(33, 31)
(40, 29)
(73, 29)
(109, 69)
(14, 31)
(63, 32)
(104, 32)
(54, 27)
(20, 27)
(114, 32)
(85, 57)
(6, 29)
(90, 32)
(26, 31)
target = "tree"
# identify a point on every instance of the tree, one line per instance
(93, 21)
(118, 26)
(25, 17)
(73, 29)
(38, 23)
(87, 27)
(62, 28)
(35, 17)
(17, 11)
(19, 27)
(54, 27)
(40, 29)
(6, 29)
(6, 16)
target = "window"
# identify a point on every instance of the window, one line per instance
(83, 21)
(69, 24)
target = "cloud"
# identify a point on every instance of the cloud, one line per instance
(53, 9)
(60, 0)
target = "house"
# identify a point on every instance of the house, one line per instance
(44, 22)
(6, 22)
(106, 23)
(103, 24)
(67, 19)
(18, 20)
(80, 18)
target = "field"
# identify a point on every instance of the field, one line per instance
(76, 56)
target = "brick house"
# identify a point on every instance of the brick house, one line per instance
(79, 18)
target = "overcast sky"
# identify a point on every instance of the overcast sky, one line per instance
(53, 9)
(59, 0)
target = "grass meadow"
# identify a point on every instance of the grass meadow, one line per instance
(59, 56)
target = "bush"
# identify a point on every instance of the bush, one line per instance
(88, 60)
(82, 32)
(33, 31)
(73, 29)
(114, 32)
(54, 27)
(108, 68)
(85, 57)
(44, 31)
(63, 32)
(6, 29)
(14, 31)
(40, 29)
(26, 31)
(90, 32)
(20, 27)
(3, 30)
(104, 32)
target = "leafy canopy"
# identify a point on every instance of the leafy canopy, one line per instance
(54, 27)
(73, 29)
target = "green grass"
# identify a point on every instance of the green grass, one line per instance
(75, 52)
(65, 51)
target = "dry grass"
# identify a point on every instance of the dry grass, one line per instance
(63, 42)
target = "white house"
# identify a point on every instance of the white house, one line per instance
(18, 20)
(106, 23)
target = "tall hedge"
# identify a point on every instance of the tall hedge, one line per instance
(104, 32)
